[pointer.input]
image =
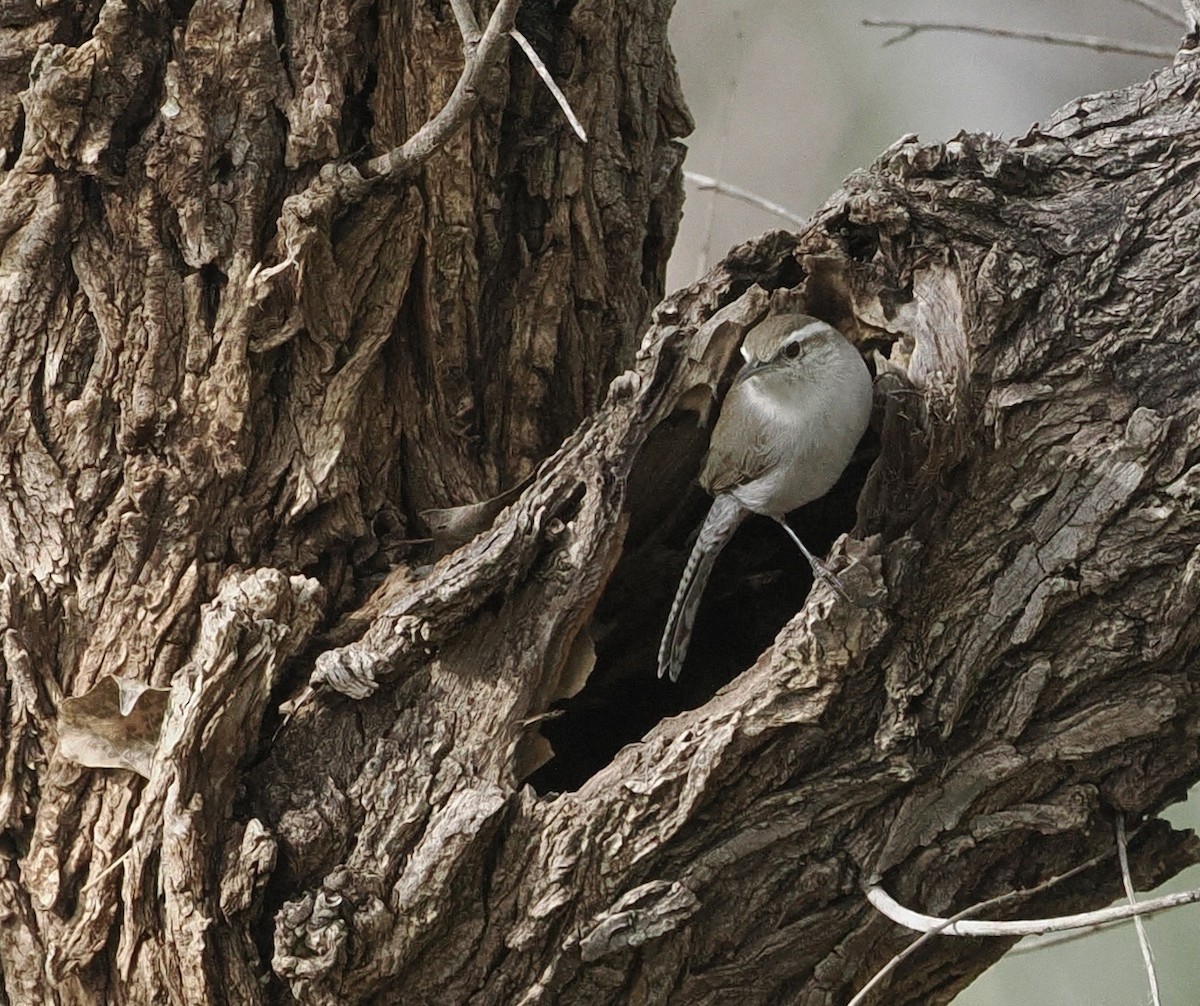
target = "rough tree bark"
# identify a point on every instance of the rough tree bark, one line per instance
(237, 368)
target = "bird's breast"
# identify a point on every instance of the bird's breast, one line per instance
(812, 434)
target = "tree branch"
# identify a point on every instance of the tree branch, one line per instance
(468, 27)
(540, 68)
(886, 905)
(706, 183)
(482, 56)
(1093, 42)
(1170, 16)
(969, 912)
(338, 185)
(1138, 925)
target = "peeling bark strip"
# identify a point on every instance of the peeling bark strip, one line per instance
(205, 469)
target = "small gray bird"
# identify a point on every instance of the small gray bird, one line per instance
(787, 429)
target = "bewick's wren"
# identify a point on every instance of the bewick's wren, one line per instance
(786, 432)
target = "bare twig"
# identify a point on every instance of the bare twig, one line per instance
(483, 52)
(468, 27)
(1050, 942)
(540, 67)
(1172, 16)
(1093, 42)
(996, 902)
(887, 905)
(106, 871)
(340, 185)
(1140, 926)
(706, 184)
(911, 949)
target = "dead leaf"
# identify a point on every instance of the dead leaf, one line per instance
(114, 725)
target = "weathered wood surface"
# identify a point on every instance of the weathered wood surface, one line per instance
(211, 471)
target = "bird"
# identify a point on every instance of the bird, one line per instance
(787, 429)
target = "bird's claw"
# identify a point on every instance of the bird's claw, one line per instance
(826, 575)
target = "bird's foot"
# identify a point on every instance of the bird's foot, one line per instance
(820, 570)
(826, 575)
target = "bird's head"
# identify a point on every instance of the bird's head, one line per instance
(788, 344)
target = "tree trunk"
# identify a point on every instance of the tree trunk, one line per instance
(244, 352)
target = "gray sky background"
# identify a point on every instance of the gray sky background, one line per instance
(789, 97)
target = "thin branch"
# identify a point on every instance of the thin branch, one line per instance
(1050, 942)
(468, 27)
(1160, 12)
(344, 184)
(885, 904)
(998, 901)
(540, 67)
(1140, 926)
(1093, 42)
(911, 949)
(481, 58)
(106, 871)
(706, 184)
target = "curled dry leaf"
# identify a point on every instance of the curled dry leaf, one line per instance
(457, 525)
(114, 725)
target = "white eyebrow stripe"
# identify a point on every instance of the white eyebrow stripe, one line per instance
(812, 328)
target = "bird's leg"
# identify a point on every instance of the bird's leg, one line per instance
(820, 570)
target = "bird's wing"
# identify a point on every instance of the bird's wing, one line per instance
(744, 444)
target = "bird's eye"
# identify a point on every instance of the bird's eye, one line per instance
(791, 350)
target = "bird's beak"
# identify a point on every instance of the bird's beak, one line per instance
(749, 370)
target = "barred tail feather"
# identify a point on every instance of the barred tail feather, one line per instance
(723, 519)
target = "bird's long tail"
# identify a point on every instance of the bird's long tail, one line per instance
(723, 519)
